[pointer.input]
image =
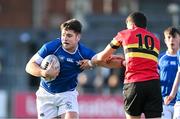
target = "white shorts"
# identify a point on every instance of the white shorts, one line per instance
(52, 105)
(168, 112)
(177, 110)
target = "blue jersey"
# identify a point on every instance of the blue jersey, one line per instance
(69, 65)
(168, 66)
(178, 93)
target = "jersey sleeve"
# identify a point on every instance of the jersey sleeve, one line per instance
(43, 51)
(49, 48)
(38, 59)
(118, 40)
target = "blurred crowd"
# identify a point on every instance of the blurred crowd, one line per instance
(101, 80)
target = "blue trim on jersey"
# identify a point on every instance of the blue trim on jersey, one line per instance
(168, 66)
(69, 65)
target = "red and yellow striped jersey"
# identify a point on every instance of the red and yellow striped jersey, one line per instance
(141, 49)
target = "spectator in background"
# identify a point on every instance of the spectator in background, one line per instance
(142, 92)
(113, 83)
(102, 74)
(82, 80)
(168, 66)
(169, 99)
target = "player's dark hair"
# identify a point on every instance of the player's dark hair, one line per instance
(139, 19)
(72, 24)
(172, 31)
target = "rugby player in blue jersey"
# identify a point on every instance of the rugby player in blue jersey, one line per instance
(175, 88)
(168, 66)
(58, 98)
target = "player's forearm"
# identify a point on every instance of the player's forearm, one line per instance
(175, 85)
(35, 70)
(115, 64)
(111, 64)
(114, 61)
(100, 60)
(105, 54)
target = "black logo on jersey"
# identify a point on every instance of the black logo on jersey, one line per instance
(42, 115)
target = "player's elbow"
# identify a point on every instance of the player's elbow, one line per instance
(27, 68)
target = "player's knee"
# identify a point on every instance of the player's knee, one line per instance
(71, 115)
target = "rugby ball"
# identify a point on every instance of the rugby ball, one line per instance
(46, 61)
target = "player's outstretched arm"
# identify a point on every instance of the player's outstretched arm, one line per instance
(116, 61)
(106, 58)
(174, 90)
(104, 55)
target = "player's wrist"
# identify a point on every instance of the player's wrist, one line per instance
(91, 64)
(172, 96)
(43, 73)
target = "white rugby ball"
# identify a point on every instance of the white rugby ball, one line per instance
(46, 61)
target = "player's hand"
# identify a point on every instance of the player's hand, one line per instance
(85, 64)
(51, 71)
(168, 99)
(117, 58)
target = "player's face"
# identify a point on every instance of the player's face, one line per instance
(129, 23)
(70, 40)
(172, 43)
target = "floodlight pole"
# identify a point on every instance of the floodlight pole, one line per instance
(174, 10)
